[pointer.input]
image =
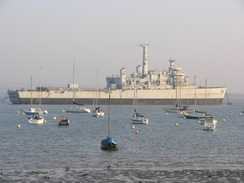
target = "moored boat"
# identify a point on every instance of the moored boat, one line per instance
(37, 119)
(109, 143)
(98, 112)
(63, 121)
(198, 116)
(35, 110)
(32, 111)
(138, 118)
(179, 110)
(210, 124)
(77, 109)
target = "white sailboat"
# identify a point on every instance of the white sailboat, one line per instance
(199, 114)
(76, 108)
(34, 110)
(38, 118)
(178, 108)
(137, 118)
(97, 112)
(228, 102)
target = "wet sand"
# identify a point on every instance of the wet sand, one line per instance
(119, 175)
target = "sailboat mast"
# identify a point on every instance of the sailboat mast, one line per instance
(96, 90)
(205, 92)
(40, 87)
(73, 80)
(31, 92)
(134, 99)
(176, 93)
(109, 106)
(195, 100)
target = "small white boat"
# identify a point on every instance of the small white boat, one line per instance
(98, 112)
(35, 110)
(78, 109)
(36, 119)
(44, 111)
(210, 124)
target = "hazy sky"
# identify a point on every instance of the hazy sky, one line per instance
(206, 37)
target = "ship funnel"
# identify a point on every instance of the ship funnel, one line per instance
(144, 59)
(122, 77)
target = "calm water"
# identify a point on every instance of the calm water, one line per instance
(161, 152)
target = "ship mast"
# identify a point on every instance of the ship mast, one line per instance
(109, 111)
(40, 98)
(195, 91)
(73, 80)
(31, 93)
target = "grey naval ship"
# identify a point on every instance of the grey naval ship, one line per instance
(149, 87)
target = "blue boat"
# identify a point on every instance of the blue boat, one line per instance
(32, 111)
(109, 144)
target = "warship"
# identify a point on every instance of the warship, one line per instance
(149, 87)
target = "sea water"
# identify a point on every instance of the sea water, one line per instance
(160, 152)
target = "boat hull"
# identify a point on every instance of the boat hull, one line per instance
(139, 121)
(197, 117)
(210, 124)
(178, 111)
(120, 97)
(70, 111)
(36, 121)
(31, 113)
(109, 144)
(98, 114)
(63, 124)
(110, 147)
(77, 109)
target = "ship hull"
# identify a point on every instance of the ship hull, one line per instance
(87, 101)
(214, 96)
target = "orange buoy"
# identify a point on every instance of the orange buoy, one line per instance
(136, 132)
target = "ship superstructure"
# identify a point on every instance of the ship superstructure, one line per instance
(154, 79)
(154, 87)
